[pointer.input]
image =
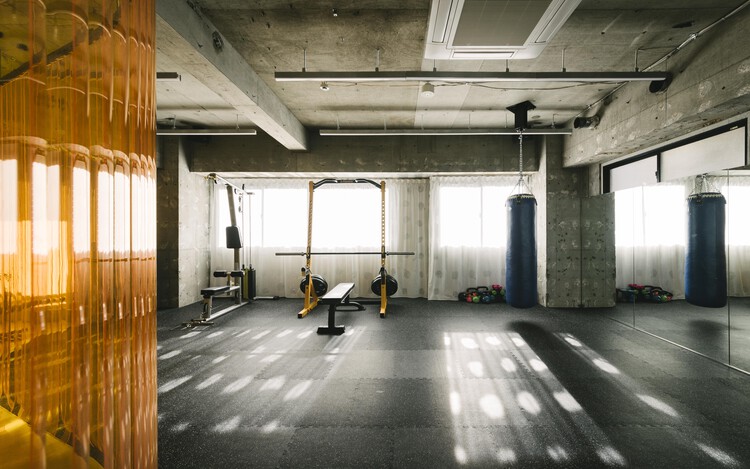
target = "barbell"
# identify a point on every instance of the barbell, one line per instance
(358, 253)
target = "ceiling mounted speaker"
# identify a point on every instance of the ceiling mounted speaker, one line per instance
(659, 87)
(586, 122)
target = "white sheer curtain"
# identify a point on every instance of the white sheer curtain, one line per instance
(347, 217)
(468, 231)
(650, 236)
(407, 229)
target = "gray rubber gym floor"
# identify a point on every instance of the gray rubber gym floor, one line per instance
(439, 385)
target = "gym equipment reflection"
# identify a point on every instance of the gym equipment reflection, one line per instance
(653, 223)
(706, 261)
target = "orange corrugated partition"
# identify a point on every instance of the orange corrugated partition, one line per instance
(78, 234)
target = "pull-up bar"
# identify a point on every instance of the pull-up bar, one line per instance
(345, 181)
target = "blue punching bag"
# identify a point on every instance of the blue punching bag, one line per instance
(520, 258)
(706, 261)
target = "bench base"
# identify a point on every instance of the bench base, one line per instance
(350, 306)
(207, 319)
(331, 330)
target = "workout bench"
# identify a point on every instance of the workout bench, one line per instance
(335, 299)
(209, 293)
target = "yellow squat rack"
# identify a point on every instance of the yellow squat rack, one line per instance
(311, 296)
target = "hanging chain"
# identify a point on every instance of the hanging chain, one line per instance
(520, 157)
(382, 223)
(309, 224)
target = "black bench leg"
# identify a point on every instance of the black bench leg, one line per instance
(332, 328)
(207, 306)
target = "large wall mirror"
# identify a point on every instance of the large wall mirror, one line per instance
(738, 260)
(652, 231)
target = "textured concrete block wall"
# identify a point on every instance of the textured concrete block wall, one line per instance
(539, 189)
(598, 261)
(564, 192)
(563, 252)
(575, 235)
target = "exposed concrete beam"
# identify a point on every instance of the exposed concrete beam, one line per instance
(188, 38)
(363, 155)
(710, 85)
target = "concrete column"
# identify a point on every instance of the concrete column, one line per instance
(183, 222)
(167, 223)
(575, 235)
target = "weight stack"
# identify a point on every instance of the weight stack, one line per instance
(705, 259)
(248, 284)
(520, 258)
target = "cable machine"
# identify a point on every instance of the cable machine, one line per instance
(237, 278)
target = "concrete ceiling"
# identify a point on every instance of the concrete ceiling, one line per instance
(267, 36)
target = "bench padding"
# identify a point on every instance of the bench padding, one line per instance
(211, 291)
(337, 295)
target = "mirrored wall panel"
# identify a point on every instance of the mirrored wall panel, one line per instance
(683, 263)
(624, 310)
(738, 262)
(677, 260)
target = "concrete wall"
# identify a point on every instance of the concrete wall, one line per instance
(182, 255)
(167, 224)
(538, 185)
(399, 154)
(575, 235)
(562, 227)
(711, 83)
(194, 228)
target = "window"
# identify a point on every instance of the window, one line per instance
(737, 221)
(284, 218)
(723, 147)
(636, 173)
(343, 218)
(346, 218)
(651, 216)
(473, 216)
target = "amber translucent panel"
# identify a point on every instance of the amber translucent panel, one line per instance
(77, 233)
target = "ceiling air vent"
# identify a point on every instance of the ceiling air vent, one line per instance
(499, 29)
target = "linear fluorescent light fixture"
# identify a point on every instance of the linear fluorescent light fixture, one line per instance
(206, 132)
(472, 77)
(395, 132)
(168, 76)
